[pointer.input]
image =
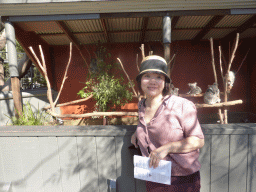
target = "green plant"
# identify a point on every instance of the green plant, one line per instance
(107, 90)
(28, 117)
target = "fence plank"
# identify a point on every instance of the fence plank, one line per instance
(125, 175)
(11, 155)
(106, 161)
(50, 164)
(205, 160)
(31, 164)
(238, 163)
(87, 166)
(251, 181)
(219, 163)
(68, 163)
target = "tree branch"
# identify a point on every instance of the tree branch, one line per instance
(127, 77)
(117, 113)
(65, 75)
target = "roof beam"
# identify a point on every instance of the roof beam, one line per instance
(103, 22)
(144, 29)
(63, 17)
(175, 20)
(248, 24)
(214, 21)
(69, 34)
(72, 38)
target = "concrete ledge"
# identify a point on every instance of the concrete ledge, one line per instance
(113, 131)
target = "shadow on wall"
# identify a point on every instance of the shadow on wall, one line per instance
(88, 162)
(228, 158)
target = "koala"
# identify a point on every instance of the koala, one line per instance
(211, 95)
(175, 91)
(230, 78)
(194, 89)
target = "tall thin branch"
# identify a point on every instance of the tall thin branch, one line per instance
(49, 90)
(127, 77)
(221, 69)
(38, 61)
(137, 62)
(227, 77)
(65, 75)
(213, 62)
(233, 53)
(142, 51)
(215, 76)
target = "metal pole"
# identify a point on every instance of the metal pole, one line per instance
(13, 67)
(167, 28)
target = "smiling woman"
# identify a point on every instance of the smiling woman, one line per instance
(152, 84)
(168, 128)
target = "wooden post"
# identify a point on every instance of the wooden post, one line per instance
(167, 27)
(16, 96)
(1, 73)
(13, 67)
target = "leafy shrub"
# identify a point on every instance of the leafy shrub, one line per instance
(28, 117)
(107, 90)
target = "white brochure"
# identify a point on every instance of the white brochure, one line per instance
(161, 174)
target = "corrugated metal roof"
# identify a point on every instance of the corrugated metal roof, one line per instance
(249, 33)
(85, 25)
(187, 22)
(184, 34)
(155, 23)
(125, 37)
(153, 36)
(124, 30)
(56, 39)
(124, 24)
(233, 20)
(91, 39)
(218, 33)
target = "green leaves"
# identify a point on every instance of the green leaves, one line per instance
(28, 117)
(107, 90)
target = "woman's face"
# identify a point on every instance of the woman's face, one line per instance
(152, 84)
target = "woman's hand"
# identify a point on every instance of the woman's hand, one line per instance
(134, 140)
(157, 155)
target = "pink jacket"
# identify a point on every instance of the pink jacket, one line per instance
(175, 119)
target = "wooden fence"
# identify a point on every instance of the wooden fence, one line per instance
(91, 158)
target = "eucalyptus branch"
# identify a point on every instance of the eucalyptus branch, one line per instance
(65, 75)
(127, 77)
(38, 61)
(117, 113)
(49, 90)
(233, 53)
(221, 69)
(43, 68)
(213, 62)
(137, 62)
(142, 51)
(70, 103)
